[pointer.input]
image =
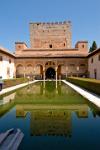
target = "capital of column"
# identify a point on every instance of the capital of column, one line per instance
(56, 68)
(43, 68)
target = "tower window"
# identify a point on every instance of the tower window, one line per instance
(19, 46)
(83, 46)
(50, 46)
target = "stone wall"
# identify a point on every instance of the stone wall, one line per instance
(7, 66)
(50, 35)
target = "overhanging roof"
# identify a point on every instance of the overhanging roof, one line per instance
(5, 51)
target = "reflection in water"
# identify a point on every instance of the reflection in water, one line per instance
(55, 120)
(48, 109)
(6, 103)
(51, 122)
(37, 93)
(7, 99)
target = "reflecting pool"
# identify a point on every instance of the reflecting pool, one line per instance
(52, 116)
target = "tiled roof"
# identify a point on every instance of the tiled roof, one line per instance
(94, 52)
(5, 51)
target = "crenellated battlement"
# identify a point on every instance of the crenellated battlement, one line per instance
(51, 23)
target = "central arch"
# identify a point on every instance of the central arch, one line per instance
(50, 73)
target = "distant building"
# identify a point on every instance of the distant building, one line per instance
(50, 54)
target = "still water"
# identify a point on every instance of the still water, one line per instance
(52, 116)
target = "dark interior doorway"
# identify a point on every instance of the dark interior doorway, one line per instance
(50, 73)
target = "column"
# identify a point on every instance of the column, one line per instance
(44, 79)
(24, 71)
(44, 73)
(66, 71)
(56, 76)
(77, 68)
(56, 73)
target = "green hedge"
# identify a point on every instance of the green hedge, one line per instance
(92, 85)
(13, 82)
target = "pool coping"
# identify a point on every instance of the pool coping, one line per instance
(10, 89)
(95, 99)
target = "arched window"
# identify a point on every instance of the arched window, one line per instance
(50, 46)
(83, 46)
(29, 69)
(20, 70)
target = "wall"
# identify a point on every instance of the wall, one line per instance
(7, 67)
(94, 66)
(58, 35)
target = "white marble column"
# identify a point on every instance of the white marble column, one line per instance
(44, 73)
(56, 73)
(56, 76)
(77, 68)
(24, 71)
(44, 80)
(66, 71)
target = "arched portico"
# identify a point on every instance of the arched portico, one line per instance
(19, 70)
(50, 70)
(50, 73)
(38, 71)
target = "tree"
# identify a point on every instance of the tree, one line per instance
(93, 47)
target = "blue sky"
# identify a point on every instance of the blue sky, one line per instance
(15, 16)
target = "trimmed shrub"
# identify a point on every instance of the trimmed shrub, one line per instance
(13, 82)
(91, 85)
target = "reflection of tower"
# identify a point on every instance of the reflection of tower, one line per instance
(51, 122)
(20, 111)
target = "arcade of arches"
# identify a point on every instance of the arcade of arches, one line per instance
(49, 69)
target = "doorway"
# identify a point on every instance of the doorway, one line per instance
(50, 73)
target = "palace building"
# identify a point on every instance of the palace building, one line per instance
(50, 55)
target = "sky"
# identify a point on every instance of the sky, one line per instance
(15, 16)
